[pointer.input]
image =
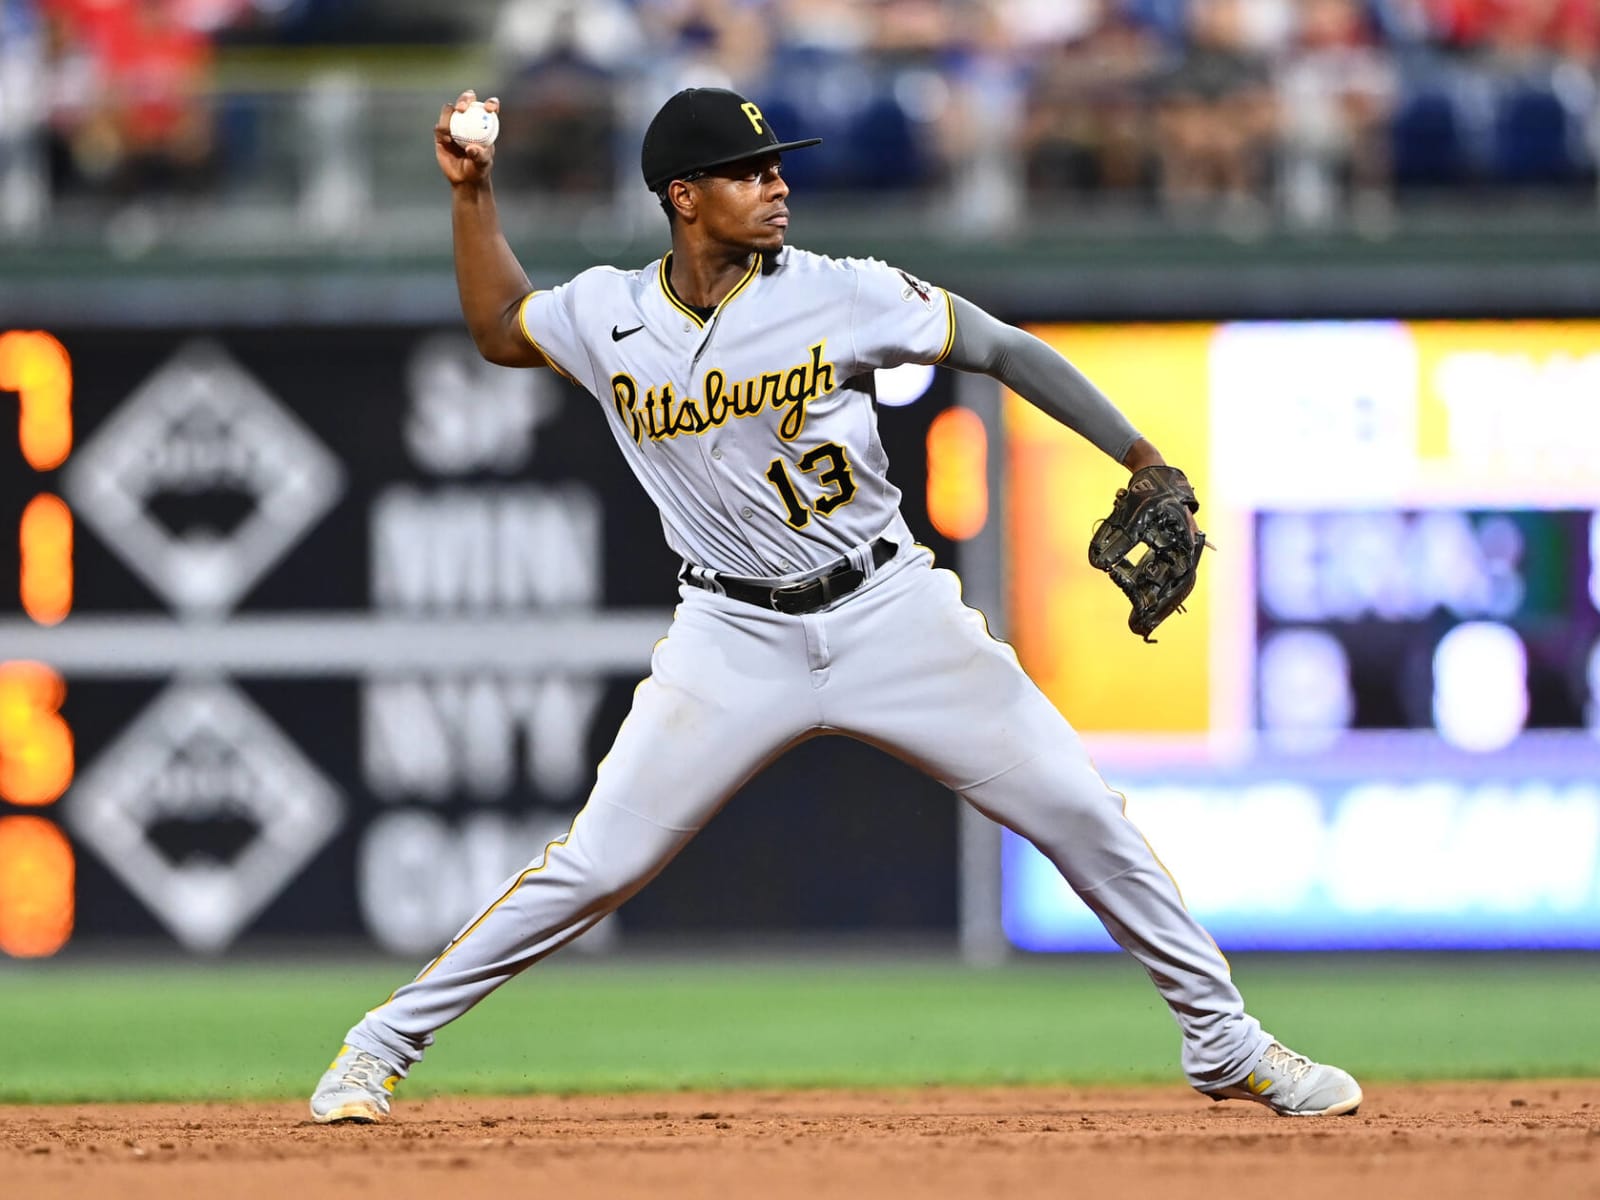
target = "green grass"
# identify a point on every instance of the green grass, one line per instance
(75, 1032)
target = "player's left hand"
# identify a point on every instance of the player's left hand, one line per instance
(463, 164)
(1155, 510)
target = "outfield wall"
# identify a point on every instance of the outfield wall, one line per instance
(318, 629)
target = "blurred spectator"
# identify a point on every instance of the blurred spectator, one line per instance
(560, 63)
(1519, 29)
(213, 16)
(158, 84)
(1534, 57)
(1040, 25)
(873, 80)
(605, 33)
(131, 97)
(918, 29)
(982, 63)
(839, 28)
(81, 142)
(23, 186)
(1168, 19)
(1087, 125)
(1216, 117)
(1265, 27)
(1512, 103)
(726, 42)
(1338, 91)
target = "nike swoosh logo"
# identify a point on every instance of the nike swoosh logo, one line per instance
(618, 334)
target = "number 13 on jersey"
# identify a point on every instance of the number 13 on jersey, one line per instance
(837, 479)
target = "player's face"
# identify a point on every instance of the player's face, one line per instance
(745, 203)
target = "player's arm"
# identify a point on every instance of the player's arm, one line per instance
(1046, 380)
(489, 278)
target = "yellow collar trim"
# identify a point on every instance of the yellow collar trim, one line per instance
(666, 288)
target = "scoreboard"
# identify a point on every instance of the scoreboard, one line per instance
(320, 632)
(1378, 725)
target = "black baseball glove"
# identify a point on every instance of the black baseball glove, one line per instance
(1153, 510)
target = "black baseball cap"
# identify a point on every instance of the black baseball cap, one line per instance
(706, 127)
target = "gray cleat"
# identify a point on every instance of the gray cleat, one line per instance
(1291, 1085)
(355, 1087)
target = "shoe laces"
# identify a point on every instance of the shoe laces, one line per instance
(1286, 1062)
(366, 1070)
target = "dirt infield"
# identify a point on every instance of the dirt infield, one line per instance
(1520, 1140)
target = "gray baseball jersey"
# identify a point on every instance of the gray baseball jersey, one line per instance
(753, 431)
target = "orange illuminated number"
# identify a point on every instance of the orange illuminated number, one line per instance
(46, 542)
(36, 366)
(37, 878)
(36, 752)
(958, 473)
(37, 870)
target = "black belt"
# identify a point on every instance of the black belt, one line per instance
(795, 598)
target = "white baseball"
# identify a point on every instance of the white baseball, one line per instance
(475, 127)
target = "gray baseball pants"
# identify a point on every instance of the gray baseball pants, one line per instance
(901, 664)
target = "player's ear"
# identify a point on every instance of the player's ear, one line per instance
(684, 198)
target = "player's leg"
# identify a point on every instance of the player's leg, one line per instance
(916, 672)
(727, 691)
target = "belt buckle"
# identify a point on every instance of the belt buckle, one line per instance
(797, 590)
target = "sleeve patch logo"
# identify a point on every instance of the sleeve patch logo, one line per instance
(915, 287)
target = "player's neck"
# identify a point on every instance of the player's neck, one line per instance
(702, 275)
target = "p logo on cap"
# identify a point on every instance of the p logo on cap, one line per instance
(701, 128)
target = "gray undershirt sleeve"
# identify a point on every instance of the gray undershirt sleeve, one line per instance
(1039, 375)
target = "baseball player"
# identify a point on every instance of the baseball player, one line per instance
(736, 375)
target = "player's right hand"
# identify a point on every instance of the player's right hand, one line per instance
(462, 164)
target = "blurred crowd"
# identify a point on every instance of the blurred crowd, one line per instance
(1304, 110)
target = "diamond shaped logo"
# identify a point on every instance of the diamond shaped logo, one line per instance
(205, 811)
(202, 481)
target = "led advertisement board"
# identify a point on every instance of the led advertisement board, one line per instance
(1378, 724)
